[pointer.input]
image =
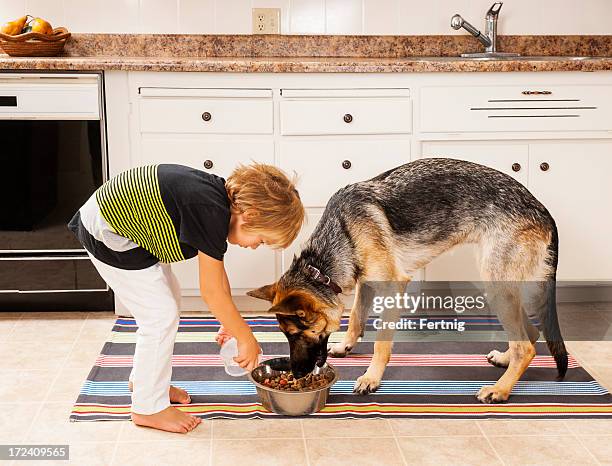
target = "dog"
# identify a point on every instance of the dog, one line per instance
(388, 227)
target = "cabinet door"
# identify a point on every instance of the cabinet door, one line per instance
(312, 218)
(576, 188)
(246, 268)
(324, 167)
(459, 263)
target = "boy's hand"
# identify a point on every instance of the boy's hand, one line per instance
(248, 353)
(222, 336)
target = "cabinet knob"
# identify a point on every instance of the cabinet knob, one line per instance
(208, 164)
(346, 164)
(348, 118)
(544, 166)
(206, 116)
(516, 167)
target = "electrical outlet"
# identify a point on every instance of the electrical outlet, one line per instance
(266, 20)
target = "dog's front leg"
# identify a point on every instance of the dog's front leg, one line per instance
(357, 322)
(370, 381)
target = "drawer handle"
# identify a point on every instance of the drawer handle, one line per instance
(208, 164)
(544, 166)
(206, 116)
(537, 92)
(516, 167)
(348, 118)
(347, 164)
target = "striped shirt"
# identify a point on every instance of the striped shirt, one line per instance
(170, 211)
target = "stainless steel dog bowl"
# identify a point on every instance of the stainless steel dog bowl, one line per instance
(290, 403)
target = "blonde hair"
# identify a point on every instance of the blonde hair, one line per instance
(273, 204)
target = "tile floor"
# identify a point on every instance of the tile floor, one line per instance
(43, 365)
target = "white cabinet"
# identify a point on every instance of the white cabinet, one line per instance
(246, 268)
(573, 180)
(210, 111)
(312, 219)
(323, 166)
(508, 157)
(346, 116)
(502, 108)
(459, 263)
(336, 129)
(212, 130)
(218, 156)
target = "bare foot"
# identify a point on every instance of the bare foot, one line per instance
(177, 395)
(170, 420)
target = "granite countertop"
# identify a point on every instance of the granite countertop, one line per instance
(305, 64)
(326, 54)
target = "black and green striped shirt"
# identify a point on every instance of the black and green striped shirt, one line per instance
(170, 211)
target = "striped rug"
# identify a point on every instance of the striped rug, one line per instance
(423, 379)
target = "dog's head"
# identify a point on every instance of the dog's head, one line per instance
(307, 317)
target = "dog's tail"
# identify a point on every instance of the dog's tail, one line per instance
(550, 323)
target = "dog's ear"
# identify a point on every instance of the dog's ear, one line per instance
(266, 292)
(294, 304)
(280, 308)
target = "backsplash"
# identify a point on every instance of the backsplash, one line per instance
(355, 17)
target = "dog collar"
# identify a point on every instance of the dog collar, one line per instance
(322, 278)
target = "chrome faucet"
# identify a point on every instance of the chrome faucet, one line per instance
(489, 38)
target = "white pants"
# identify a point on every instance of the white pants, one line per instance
(153, 297)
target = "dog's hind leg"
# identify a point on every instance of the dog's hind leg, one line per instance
(510, 258)
(357, 321)
(521, 350)
(499, 359)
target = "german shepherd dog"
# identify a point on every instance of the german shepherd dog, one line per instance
(388, 227)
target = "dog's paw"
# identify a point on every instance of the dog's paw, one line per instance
(492, 394)
(498, 359)
(339, 350)
(366, 384)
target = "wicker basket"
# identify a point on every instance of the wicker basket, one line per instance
(34, 44)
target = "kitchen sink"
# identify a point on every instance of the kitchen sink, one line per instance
(528, 58)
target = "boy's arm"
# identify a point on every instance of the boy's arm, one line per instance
(223, 335)
(214, 288)
(226, 283)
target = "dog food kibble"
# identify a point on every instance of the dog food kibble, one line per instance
(287, 382)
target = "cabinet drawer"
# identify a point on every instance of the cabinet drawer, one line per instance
(514, 108)
(209, 113)
(323, 167)
(346, 116)
(200, 153)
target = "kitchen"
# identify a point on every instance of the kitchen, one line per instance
(336, 91)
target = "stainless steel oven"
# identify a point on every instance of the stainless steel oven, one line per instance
(52, 158)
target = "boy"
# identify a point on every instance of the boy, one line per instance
(143, 219)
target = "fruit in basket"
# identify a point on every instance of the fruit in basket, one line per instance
(41, 26)
(12, 28)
